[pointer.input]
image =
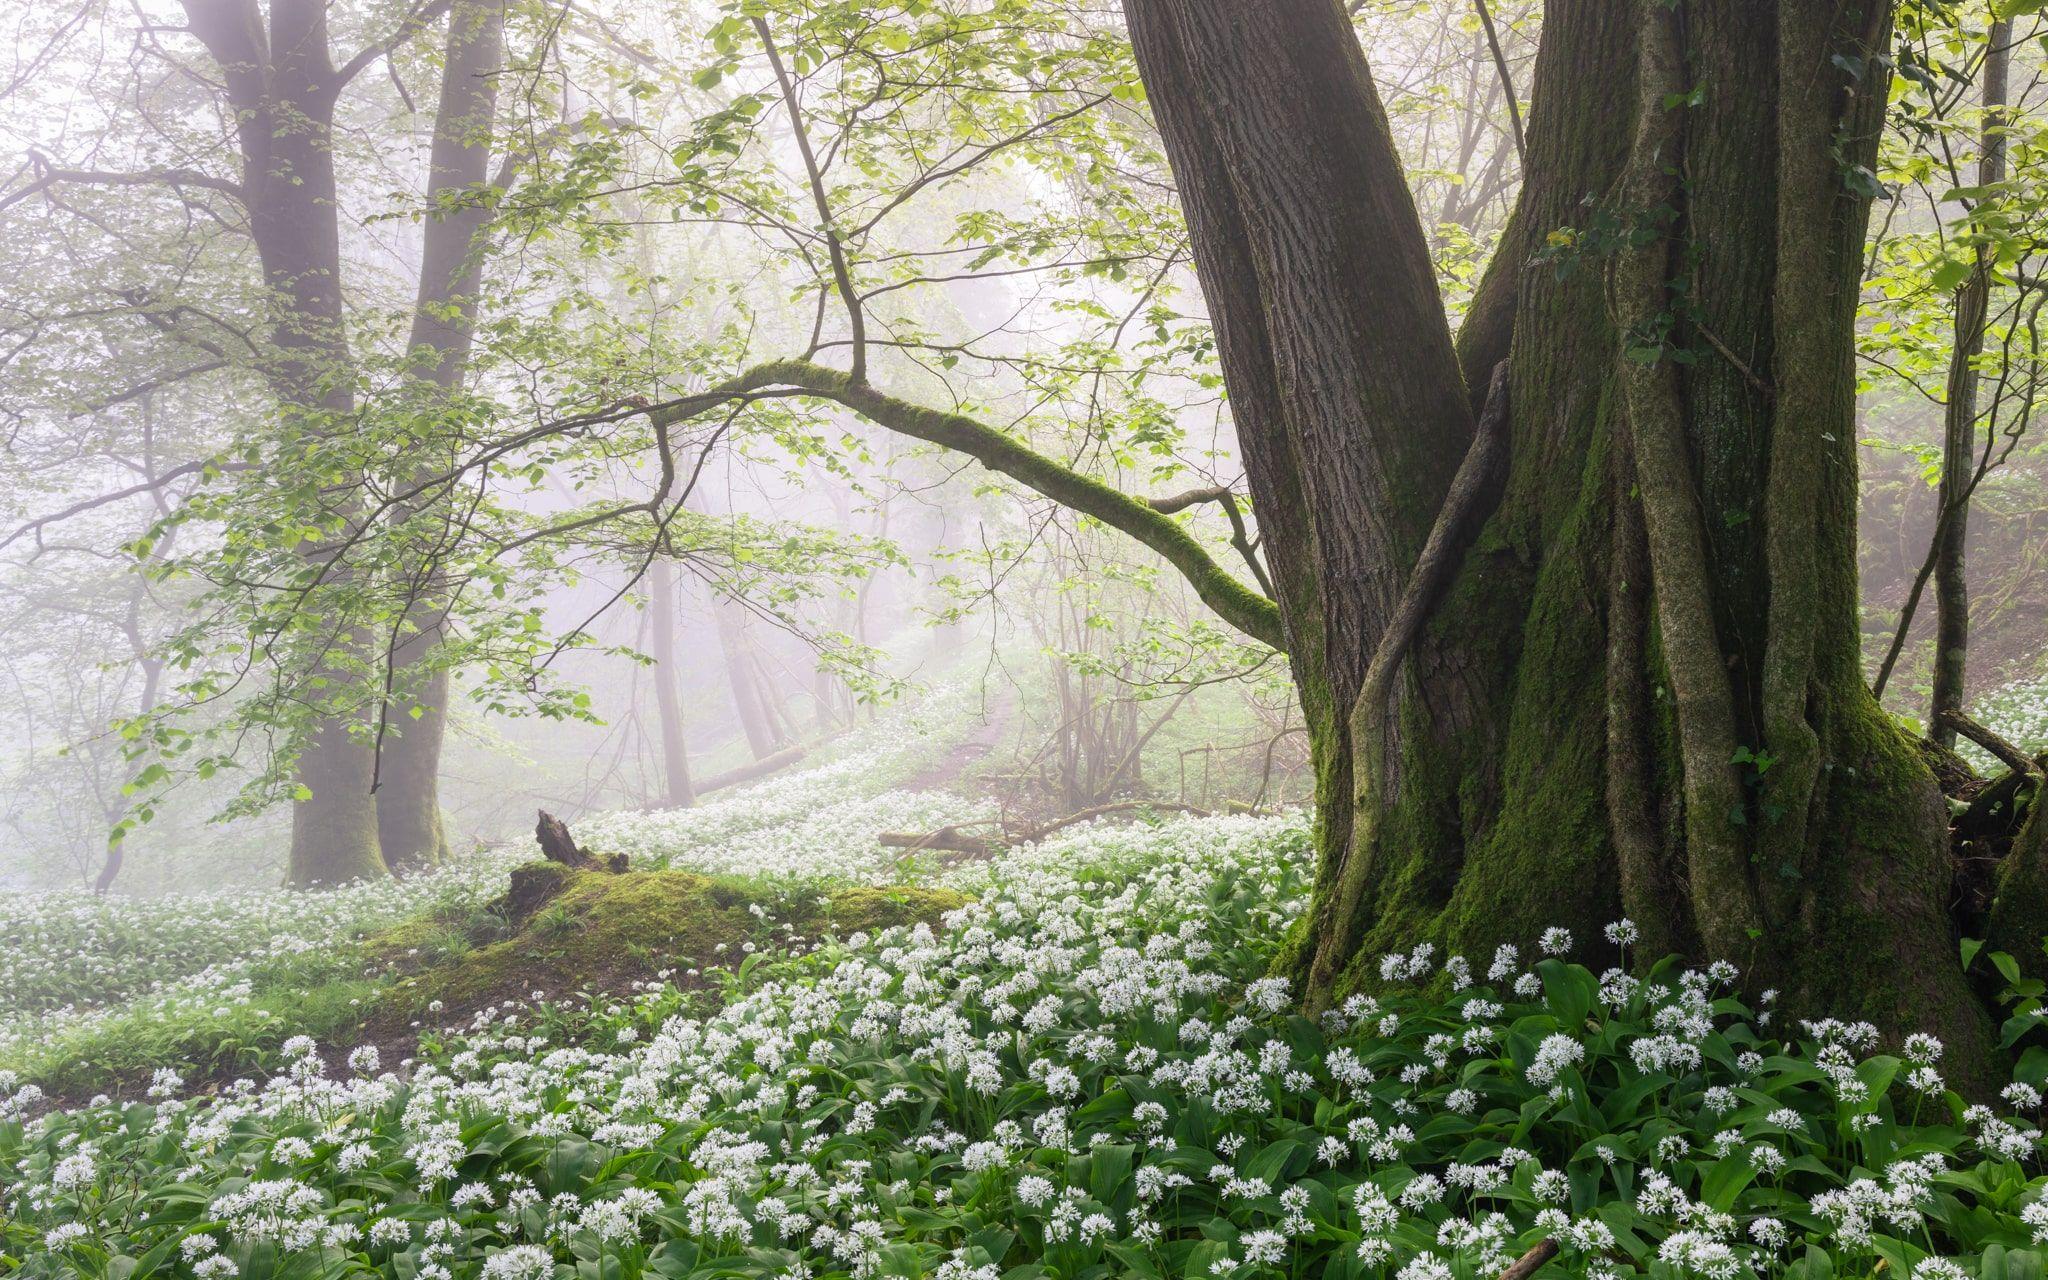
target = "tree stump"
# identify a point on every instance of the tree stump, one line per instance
(557, 845)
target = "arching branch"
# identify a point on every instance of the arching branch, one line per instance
(1240, 536)
(1254, 614)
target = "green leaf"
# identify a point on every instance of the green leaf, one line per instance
(1949, 276)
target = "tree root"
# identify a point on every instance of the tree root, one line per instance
(1984, 736)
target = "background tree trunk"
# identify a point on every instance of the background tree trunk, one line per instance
(1959, 422)
(1702, 331)
(743, 676)
(677, 792)
(409, 821)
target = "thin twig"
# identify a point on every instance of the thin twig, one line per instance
(840, 275)
(1507, 82)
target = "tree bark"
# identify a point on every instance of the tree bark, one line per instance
(281, 85)
(677, 792)
(409, 819)
(1675, 529)
(1959, 421)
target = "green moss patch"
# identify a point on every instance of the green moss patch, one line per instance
(559, 931)
(596, 932)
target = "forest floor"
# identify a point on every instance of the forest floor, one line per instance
(771, 1047)
(993, 725)
(1066, 1061)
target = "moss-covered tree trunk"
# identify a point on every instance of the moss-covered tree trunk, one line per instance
(1639, 691)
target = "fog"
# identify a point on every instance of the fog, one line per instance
(261, 486)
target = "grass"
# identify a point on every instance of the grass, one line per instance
(587, 933)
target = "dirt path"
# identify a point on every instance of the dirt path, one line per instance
(970, 750)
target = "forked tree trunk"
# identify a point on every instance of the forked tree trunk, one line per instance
(281, 84)
(279, 79)
(1666, 582)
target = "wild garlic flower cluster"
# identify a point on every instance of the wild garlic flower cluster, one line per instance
(74, 959)
(79, 965)
(819, 823)
(1089, 1070)
(2018, 711)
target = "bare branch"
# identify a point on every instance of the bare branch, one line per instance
(1507, 81)
(49, 175)
(840, 274)
(84, 505)
(1250, 612)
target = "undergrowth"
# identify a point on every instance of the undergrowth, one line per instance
(1083, 1072)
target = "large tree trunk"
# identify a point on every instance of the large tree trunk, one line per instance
(282, 85)
(1667, 580)
(409, 819)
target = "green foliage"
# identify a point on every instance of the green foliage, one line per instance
(1083, 1073)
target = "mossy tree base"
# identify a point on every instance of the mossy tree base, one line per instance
(1642, 694)
(581, 933)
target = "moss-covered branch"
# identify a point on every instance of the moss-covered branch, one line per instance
(1237, 604)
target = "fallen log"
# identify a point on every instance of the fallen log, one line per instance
(749, 772)
(1035, 834)
(955, 838)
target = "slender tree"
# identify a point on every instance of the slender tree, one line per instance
(1959, 421)
(677, 791)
